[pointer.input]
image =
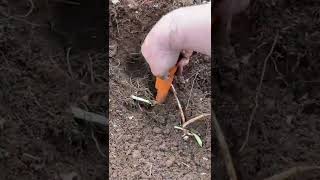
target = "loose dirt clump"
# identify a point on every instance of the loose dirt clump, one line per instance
(143, 142)
(285, 130)
(43, 73)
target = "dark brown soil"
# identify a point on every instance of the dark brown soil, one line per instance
(39, 137)
(285, 130)
(143, 142)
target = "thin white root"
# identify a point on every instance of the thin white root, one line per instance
(141, 99)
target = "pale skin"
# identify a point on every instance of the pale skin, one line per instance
(183, 30)
(186, 30)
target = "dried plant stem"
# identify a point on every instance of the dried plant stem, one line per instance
(97, 144)
(68, 62)
(245, 142)
(89, 116)
(224, 149)
(183, 118)
(195, 119)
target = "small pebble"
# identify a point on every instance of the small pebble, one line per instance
(136, 173)
(162, 120)
(157, 130)
(174, 148)
(175, 144)
(136, 154)
(167, 131)
(163, 147)
(170, 161)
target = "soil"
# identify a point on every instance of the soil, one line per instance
(143, 142)
(40, 139)
(285, 131)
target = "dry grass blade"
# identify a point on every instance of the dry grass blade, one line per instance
(245, 142)
(292, 171)
(195, 119)
(224, 149)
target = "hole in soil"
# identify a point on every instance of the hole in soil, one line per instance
(136, 66)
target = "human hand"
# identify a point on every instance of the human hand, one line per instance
(181, 31)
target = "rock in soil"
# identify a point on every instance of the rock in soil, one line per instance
(136, 154)
(157, 130)
(170, 161)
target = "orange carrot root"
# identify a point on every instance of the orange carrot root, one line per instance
(163, 86)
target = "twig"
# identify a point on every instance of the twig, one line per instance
(30, 10)
(291, 172)
(279, 73)
(186, 132)
(17, 18)
(183, 118)
(224, 149)
(89, 116)
(4, 58)
(68, 62)
(91, 69)
(150, 170)
(31, 156)
(185, 164)
(25, 21)
(191, 90)
(258, 92)
(195, 119)
(68, 2)
(97, 144)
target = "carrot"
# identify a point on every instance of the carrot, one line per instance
(163, 86)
